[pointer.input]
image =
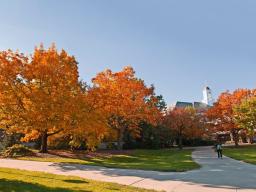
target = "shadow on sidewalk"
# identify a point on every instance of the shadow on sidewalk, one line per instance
(217, 173)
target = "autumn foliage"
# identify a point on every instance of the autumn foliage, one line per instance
(222, 113)
(245, 116)
(126, 100)
(42, 98)
(184, 123)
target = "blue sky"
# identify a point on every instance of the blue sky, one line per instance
(177, 45)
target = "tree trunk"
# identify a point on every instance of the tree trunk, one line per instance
(235, 137)
(251, 135)
(251, 139)
(44, 137)
(236, 143)
(180, 142)
(120, 139)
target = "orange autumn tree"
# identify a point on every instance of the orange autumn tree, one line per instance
(42, 87)
(88, 122)
(41, 97)
(85, 123)
(126, 100)
(184, 123)
(222, 113)
(12, 89)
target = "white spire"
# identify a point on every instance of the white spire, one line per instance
(207, 96)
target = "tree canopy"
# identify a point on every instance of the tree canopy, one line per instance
(184, 123)
(126, 100)
(222, 113)
(41, 95)
(245, 116)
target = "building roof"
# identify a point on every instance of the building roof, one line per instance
(181, 104)
(200, 105)
(196, 105)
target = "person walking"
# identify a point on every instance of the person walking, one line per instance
(219, 150)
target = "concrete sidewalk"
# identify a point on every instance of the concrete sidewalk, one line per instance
(216, 175)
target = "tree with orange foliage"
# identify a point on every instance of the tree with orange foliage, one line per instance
(184, 123)
(222, 113)
(42, 97)
(88, 122)
(126, 100)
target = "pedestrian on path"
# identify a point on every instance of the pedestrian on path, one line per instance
(219, 150)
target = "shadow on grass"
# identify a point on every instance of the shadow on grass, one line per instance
(213, 172)
(20, 186)
(74, 181)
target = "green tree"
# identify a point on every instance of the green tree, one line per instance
(245, 116)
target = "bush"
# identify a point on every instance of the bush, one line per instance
(151, 137)
(197, 142)
(17, 150)
(7, 140)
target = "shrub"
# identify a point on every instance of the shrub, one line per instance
(198, 142)
(17, 150)
(150, 137)
(8, 139)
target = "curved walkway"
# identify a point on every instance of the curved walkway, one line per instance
(216, 175)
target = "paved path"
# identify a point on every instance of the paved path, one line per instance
(216, 175)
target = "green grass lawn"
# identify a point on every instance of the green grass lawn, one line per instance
(14, 180)
(243, 153)
(159, 160)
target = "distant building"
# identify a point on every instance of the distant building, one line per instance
(181, 104)
(205, 104)
(207, 96)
